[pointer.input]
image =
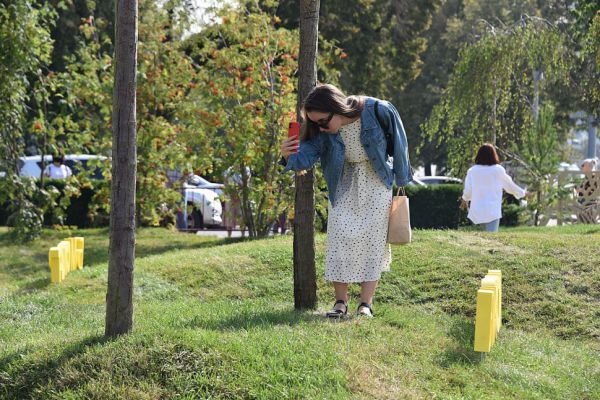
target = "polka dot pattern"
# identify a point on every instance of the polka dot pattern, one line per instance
(357, 249)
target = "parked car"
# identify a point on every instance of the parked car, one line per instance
(438, 180)
(416, 182)
(202, 204)
(31, 166)
(195, 181)
(202, 208)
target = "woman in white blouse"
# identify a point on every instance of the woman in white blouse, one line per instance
(483, 189)
(58, 169)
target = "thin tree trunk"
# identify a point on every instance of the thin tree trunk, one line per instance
(119, 297)
(305, 277)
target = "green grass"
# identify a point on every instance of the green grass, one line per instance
(214, 319)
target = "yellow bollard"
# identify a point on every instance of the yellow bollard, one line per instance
(79, 244)
(485, 328)
(72, 254)
(54, 263)
(65, 257)
(492, 282)
(65, 249)
(498, 273)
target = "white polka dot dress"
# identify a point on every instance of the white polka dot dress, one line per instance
(357, 249)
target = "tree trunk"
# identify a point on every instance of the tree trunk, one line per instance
(591, 150)
(305, 277)
(119, 297)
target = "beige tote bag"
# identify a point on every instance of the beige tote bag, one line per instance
(399, 224)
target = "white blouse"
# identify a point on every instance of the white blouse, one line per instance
(483, 188)
(60, 172)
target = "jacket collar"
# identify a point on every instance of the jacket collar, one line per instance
(368, 114)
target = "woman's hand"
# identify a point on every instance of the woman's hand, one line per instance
(289, 146)
(528, 195)
(464, 205)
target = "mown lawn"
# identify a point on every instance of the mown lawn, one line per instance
(214, 319)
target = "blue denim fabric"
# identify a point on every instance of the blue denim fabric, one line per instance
(330, 149)
(491, 226)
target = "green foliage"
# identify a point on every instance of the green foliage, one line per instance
(169, 136)
(590, 56)
(435, 206)
(25, 48)
(541, 152)
(248, 90)
(492, 89)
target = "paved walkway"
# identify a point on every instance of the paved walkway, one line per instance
(222, 233)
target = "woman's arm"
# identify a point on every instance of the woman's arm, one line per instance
(308, 153)
(509, 185)
(467, 191)
(402, 169)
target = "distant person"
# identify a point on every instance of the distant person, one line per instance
(58, 169)
(589, 184)
(587, 192)
(483, 189)
(232, 207)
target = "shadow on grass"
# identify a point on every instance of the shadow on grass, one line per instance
(592, 231)
(247, 319)
(95, 253)
(461, 350)
(100, 255)
(23, 379)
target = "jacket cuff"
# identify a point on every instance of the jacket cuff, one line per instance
(286, 164)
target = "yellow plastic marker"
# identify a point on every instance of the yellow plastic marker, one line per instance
(65, 250)
(498, 273)
(65, 257)
(72, 254)
(79, 245)
(492, 282)
(485, 328)
(54, 263)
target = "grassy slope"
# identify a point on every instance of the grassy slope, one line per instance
(214, 319)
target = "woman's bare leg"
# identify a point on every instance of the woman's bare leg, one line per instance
(367, 291)
(341, 293)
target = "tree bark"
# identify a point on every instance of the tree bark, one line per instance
(305, 278)
(119, 296)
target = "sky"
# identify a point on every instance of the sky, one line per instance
(201, 16)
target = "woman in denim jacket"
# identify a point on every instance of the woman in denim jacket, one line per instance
(362, 147)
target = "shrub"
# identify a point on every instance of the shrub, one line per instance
(435, 206)
(77, 212)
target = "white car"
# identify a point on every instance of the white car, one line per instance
(202, 204)
(195, 181)
(439, 180)
(31, 166)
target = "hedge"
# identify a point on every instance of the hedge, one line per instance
(76, 213)
(436, 206)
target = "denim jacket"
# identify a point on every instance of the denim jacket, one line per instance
(330, 149)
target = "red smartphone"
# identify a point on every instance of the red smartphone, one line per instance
(294, 129)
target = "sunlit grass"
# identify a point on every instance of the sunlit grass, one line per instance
(214, 319)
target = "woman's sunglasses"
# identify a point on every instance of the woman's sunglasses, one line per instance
(324, 122)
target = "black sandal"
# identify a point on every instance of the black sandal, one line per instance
(335, 313)
(364, 313)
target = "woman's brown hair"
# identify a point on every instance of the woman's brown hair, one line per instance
(328, 98)
(487, 155)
